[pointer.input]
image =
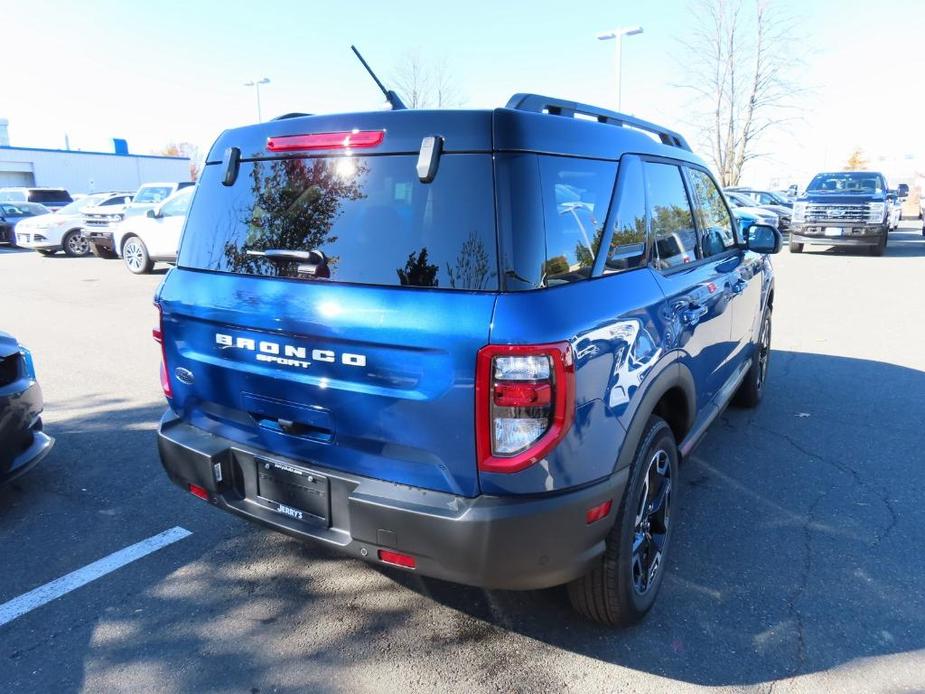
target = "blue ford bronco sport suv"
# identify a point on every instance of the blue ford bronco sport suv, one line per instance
(472, 344)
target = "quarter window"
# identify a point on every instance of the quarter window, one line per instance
(671, 216)
(712, 216)
(576, 195)
(628, 244)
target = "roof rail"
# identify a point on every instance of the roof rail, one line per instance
(537, 103)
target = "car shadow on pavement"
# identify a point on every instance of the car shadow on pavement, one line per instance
(794, 552)
(904, 243)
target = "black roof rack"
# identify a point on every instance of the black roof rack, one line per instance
(537, 103)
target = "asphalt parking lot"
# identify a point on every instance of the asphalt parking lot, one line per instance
(798, 563)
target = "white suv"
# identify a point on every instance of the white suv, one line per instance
(50, 233)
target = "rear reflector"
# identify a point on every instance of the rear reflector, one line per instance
(396, 558)
(596, 513)
(196, 490)
(355, 139)
(158, 334)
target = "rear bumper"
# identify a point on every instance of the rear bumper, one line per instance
(46, 245)
(512, 543)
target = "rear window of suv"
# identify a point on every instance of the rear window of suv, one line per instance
(370, 216)
(50, 196)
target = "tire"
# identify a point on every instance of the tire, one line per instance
(752, 387)
(621, 589)
(75, 245)
(880, 248)
(46, 252)
(102, 252)
(135, 255)
(796, 247)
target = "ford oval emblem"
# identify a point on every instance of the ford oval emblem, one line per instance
(184, 375)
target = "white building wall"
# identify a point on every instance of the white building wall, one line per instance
(86, 172)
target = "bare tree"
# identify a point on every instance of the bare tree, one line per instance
(737, 56)
(426, 84)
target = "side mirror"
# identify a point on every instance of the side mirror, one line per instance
(891, 195)
(762, 238)
(903, 190)
(152, 214)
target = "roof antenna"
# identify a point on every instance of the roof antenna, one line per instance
(394, 101)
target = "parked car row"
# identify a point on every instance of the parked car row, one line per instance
(141, 227)
(49, 233)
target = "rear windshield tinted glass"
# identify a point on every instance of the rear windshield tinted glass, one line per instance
(60, 197)
(371, 217)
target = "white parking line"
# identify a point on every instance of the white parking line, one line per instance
(42, 595)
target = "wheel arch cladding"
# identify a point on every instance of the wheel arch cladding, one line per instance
(673, 398)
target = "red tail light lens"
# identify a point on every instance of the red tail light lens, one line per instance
(596, 513)
(525, 402)
(351, 139)
(158, 335)
(397, 558)
(196, 490)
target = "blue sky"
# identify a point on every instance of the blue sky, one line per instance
(162, 71)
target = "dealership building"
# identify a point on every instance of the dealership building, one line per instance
(85, 172)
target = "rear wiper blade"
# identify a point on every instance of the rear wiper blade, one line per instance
(313, 262)
(285, 255)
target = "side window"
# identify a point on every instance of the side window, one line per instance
(671, 216)
(628, 244)
(576, 196)
(712, 216)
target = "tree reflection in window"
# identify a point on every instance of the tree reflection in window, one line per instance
(712, 216)
(418, 272)
(294, 207)
(675, 236)
(473, 267)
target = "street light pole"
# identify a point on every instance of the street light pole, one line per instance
(617, 35)
(256, 84)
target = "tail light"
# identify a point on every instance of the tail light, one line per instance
(158, 335)
(525, 402)
(350, 139)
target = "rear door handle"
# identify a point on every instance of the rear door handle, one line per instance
(692, 314)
